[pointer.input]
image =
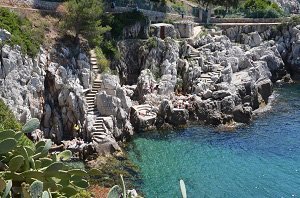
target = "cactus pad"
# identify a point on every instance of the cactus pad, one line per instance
(2, 184)
(7, 145)
(64, 156)
(36, 189)
(15, 163)
(7, 134)
(31, 125)
(114, 192)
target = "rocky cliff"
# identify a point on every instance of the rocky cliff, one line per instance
(218, 80)
(211, 79)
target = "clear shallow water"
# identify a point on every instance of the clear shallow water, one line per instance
(259, 160)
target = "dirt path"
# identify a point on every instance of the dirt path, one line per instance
(17, 7)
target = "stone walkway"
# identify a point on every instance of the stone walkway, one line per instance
(213, 72)
(99, 131)
(145, 111)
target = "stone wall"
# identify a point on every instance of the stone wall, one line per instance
(247, 20)
(155, 15)
(185, 29)
(45, 5)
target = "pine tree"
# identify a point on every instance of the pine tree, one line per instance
(84, 18)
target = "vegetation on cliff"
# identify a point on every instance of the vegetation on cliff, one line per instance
(23, 33)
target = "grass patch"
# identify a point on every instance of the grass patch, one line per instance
(102, 62)
(23, 33)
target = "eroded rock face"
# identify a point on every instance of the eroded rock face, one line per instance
(22, 83)
(45, 88)
(64, 101)
(289, 6)
(113, 101)
(157, 55)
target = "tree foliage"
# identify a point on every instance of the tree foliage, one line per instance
(262, 9)
(84, 18)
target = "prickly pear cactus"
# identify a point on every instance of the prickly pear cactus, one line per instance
(36, 189)
(32, 169)
(31, 125)
(114, 192)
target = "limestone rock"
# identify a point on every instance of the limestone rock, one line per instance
(242, 114)
(106, 104)
(4, 35)
(179, 117)
(265, 89)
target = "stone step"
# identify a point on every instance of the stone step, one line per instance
(98, 133)
(97, 141)
(205, 76)
(104, 136)
(101, 125)
(194, 55)
(91, 94)
(93, 58)
(99, 129)
(208, 81)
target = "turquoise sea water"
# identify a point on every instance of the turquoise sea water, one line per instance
(258, 160)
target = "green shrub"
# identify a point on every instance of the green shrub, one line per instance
(110, 50)
(262, 9)
(102, 61)
(7, 118)
(179, 7)
(22, 32)
(152, 42)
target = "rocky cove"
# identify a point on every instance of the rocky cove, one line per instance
(213, 78)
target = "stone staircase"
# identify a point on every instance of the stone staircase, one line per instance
(206, 76)
(99, 131)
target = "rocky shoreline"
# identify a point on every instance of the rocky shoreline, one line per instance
(211, 78)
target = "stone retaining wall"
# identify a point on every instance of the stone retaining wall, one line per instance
(155, 15)
(248, 20)
(46, 5)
